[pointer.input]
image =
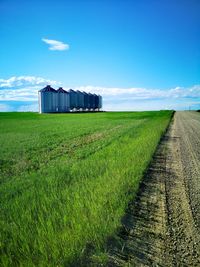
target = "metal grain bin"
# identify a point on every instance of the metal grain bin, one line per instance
(100, 102)
(54, 101)
(96, 101)
(72, 99)
(86, 100)
(80, 100)
(67, 102)
(63, 100)
(90, 103)
(48, 101)
(93, 101)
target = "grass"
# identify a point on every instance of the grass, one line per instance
(66, 180)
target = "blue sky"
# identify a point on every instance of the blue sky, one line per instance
(139, 55)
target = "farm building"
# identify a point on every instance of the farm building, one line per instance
(48, 100)
(86, 100)
(55, 101)
(80, 100)
(63, 100)
(73, 99)
(91, 101)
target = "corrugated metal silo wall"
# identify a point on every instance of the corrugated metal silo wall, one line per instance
(86, 100)
(80, 99)
(90, 101)
(40, 102)
(61, 102)
(64, 107)
(67, 108)
(93, 101)
(46, 102)
(54, 102)
(100, 101)
(73, 99)
(96, 102)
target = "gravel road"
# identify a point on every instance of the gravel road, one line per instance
(162, 226)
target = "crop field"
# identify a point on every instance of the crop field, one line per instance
(161, 226)
(66, 181)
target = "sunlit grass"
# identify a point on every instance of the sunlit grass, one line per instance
(66, 180)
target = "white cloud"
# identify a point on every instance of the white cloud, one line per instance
(143, 93)
(151, 104)
(25, 89)
(24, 81)
(56, 45)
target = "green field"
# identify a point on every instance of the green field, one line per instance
(66, 180)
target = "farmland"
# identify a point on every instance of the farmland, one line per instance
(162, 225)
(66, 181)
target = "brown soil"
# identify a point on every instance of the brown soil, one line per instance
(162, 226)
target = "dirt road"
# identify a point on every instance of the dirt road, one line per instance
(162, 227)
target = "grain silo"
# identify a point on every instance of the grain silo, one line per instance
(72, 99)
(96, 101)
(51, 101)
(90, 103)
(63, 100)
(48, 101)
(100, 102)
(86, 100)
(80, 100)
(93, 101)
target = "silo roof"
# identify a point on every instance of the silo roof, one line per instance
(61, 90)
(70, 90)
(48, 88)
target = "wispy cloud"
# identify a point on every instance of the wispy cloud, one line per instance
(56, 45)
(24, 81)
(25, 89)
(143, 93)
